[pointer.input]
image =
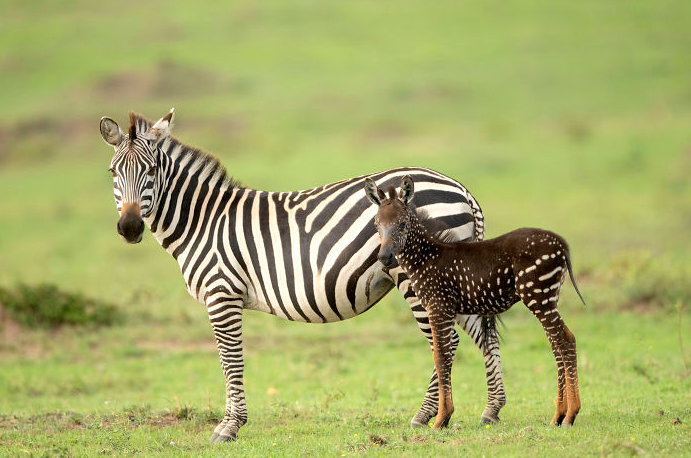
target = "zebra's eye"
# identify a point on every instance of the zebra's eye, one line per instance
(152, 171)
(112, 172)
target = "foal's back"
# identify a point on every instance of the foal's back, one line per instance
(515, 250)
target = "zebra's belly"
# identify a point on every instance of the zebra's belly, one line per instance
(326, 304)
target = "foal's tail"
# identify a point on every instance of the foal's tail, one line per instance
(573, 280)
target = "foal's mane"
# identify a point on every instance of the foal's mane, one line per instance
(139, 124)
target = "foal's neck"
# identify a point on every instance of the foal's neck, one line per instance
(419, 247)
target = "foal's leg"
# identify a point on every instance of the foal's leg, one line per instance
(563, 343)
(442, 323)
(571, 369)
(472, 325)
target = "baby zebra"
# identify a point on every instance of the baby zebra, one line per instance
(484, 278)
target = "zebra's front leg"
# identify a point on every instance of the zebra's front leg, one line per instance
(226, 320)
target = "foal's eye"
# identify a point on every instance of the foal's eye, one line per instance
(152, 171)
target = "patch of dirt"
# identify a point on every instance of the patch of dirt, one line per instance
(173, 345)
(166, 80)
(32, 138)
(13, 340)
(132, 418)
(428, 92)
(377, 440)
(384, 131)
(642, 306)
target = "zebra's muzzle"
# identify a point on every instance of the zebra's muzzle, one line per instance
(131, 225)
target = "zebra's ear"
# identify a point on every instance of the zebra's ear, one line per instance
(407, 189)
(373, 193)
(110, 131)
(161, 129)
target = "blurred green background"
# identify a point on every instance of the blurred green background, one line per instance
(569, 116)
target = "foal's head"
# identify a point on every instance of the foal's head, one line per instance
(393, 217)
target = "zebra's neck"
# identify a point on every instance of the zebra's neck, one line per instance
(189, 186)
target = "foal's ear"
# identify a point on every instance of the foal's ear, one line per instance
(407, 189)
(110, 131)
(161, 129)
(373, 193)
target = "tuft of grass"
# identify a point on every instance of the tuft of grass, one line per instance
(46, 305)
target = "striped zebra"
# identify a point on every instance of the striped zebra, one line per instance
(306, 256)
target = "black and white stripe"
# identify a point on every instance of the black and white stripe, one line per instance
(306, 255)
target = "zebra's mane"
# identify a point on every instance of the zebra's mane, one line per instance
(435, 229)
(207, 162)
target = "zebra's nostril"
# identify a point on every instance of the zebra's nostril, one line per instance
(120, 229)
(141, 225)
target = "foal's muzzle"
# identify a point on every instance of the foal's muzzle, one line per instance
(388, 260)
(131, 224)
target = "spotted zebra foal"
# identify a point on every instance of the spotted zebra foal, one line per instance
(484, 278)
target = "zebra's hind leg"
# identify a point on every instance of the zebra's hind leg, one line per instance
(489, 345)
(226, 319)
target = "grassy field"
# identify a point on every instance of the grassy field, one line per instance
(570, 117)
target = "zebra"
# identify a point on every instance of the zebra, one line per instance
(307, 256)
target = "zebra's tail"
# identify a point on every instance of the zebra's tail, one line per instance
(478, 217)
(489, 329)
(573, 280)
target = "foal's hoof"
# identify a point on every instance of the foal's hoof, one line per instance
(488, 421)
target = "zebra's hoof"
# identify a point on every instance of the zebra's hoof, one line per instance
(223, 438)
(213, 437)
(488, 421)
(415, 424)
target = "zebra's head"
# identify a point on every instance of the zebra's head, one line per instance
(136, 172)
(392, 219)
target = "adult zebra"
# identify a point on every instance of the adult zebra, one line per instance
(305, 255)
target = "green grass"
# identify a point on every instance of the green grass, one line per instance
(569, 117)
(329, 389)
